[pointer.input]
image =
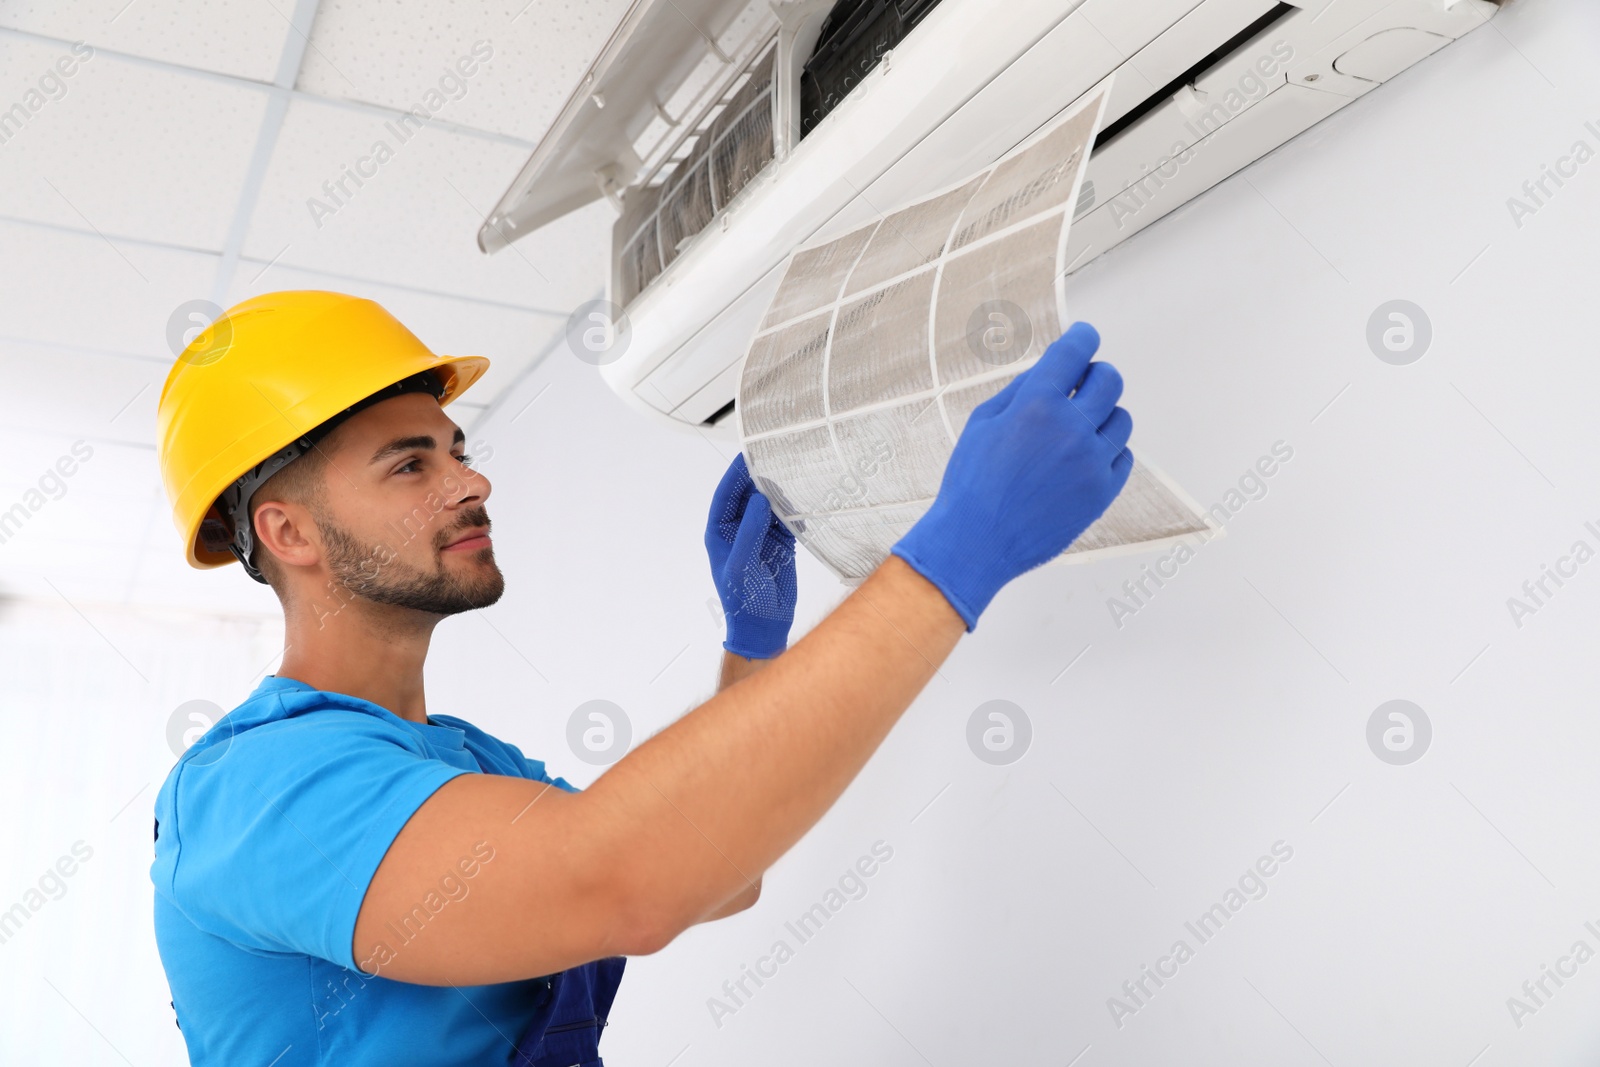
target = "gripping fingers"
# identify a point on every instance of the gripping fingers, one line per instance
(1063, 363)
(752, 530)
(1117, 428)
(731, 498)
(1099, 392)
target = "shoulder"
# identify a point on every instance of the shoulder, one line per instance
(248, 762)
(507, 757)
(309, 737)
(311, 801)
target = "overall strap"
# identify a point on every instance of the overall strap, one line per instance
(566, 1031)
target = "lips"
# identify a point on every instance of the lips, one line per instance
(473, 540)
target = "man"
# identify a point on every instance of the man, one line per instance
(344, 879)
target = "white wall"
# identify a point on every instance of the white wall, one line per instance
(1228, 714)
(87, 693)
(1225, 715)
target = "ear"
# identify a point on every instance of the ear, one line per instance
(288, 532)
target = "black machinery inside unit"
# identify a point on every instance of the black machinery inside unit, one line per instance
(854, 38)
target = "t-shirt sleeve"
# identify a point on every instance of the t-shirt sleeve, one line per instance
(503, 757)
(535, 769)
(537, 772)
(274, 841)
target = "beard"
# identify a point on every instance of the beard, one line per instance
(402, 584)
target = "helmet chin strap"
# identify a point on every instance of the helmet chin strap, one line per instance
(224, 530)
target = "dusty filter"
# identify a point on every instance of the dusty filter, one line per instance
(879, 344)
(728, 150)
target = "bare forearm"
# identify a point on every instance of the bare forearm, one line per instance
(736, 668)
(716, 798)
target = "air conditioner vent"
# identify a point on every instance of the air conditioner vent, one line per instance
(731, 145)
(1194, 73)
(854, 39)
(718, 188)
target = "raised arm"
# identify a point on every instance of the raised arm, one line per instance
(736, 668)
(693, 816)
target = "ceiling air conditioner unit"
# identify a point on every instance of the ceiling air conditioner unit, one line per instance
(729, 133)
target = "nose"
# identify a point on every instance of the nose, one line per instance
(474, 485)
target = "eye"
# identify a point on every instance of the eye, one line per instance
(409, 466)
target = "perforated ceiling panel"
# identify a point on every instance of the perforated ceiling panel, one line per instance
(880, 343)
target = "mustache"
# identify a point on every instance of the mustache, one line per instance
(478, 516)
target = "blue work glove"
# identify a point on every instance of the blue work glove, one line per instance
(1033, 469)
(752, 562)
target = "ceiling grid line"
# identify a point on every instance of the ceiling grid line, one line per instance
(294, 51)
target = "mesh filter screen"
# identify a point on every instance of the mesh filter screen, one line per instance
(634, 235)
(742, 143)
(909, 239)
(1039, 178)
(880, 343)
(785, 372)
(727, 153)
(814, 277)
(686, 207)
(982, 289)
(881, 349)
(853, 543)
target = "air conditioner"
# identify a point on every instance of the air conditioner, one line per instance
(690, 123)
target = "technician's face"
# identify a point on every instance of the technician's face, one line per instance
(408, 525)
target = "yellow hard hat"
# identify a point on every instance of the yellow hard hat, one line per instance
(256, 388)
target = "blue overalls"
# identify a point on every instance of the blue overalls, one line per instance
(566, 1032)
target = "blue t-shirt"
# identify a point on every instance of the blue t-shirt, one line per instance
(268, 831)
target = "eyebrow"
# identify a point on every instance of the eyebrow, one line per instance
(407, 444)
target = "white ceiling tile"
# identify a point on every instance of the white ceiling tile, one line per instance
(104, 534)
(102, 470)
(393, 53)
(92, 575)
(109, 304)
(509, 337)
(414, 220)
(160, 577)
(72, 530)
(72, 522)
(84, 572)
(126, 149)
(574, 252)
(80, 394)
(29, 453)
(242, 37)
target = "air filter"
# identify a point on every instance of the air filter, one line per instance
(730, 147)
(880, 343)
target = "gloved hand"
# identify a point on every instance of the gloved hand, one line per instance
(752, 562)
(1033, 469)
